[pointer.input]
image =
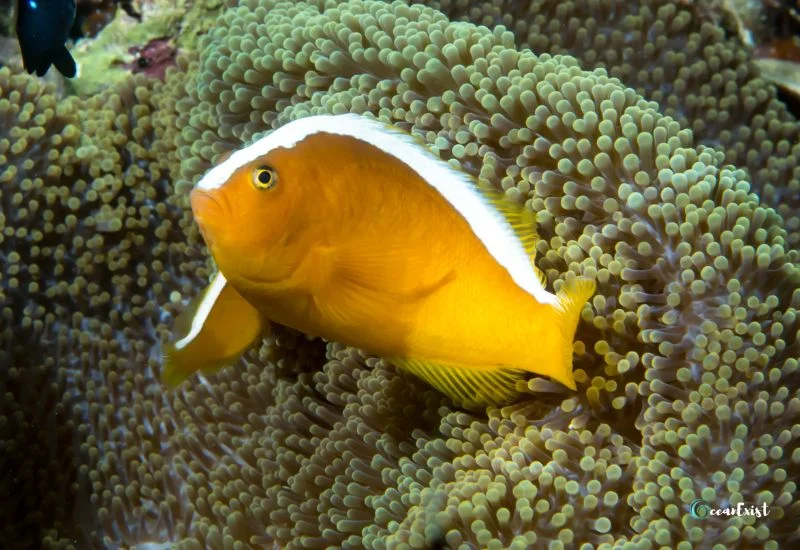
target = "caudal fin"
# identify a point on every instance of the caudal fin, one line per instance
(64, 62)
(571, 298)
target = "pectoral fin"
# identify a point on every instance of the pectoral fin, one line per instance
(364, 279)
(394, 268)
(213, 331)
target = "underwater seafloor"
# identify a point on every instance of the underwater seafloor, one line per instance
(659, 162)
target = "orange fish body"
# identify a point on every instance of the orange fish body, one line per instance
(347, 229)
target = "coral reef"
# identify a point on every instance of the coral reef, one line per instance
(686, 358)
(132, 40)
(154, 58)
(91, 16)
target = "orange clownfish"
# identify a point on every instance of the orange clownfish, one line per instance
(348, 229)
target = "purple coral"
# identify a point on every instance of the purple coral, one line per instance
(153, 58)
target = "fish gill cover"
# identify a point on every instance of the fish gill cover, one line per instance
(685, 211)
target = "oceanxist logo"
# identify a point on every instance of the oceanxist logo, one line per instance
(700, 509)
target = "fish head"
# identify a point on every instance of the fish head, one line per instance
(253, 218)
(245, 213)
(263, 207)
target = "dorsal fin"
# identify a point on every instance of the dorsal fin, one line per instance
(522, 220)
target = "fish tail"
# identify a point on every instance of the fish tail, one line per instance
(571, 298)
(64, 62)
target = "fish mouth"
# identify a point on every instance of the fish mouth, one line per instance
(206, 211)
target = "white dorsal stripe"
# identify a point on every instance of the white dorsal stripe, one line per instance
(489, 225)
(205, 307)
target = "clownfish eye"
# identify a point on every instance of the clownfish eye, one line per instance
(264, 178)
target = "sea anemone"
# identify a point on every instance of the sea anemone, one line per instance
(686, 358)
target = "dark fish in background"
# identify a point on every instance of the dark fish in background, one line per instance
(438, 542)
(42, 29)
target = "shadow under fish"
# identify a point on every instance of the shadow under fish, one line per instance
(42, 30)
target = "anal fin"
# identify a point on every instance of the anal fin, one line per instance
(470, 387)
